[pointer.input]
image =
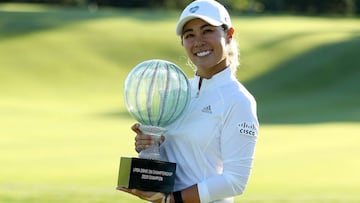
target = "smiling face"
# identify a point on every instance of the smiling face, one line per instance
(206, 46)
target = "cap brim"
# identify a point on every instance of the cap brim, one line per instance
(182, 22)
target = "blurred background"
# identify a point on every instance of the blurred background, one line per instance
(340, 7)
(64, 125)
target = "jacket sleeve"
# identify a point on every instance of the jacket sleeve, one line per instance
(238, 140)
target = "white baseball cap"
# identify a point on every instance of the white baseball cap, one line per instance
(210, 11)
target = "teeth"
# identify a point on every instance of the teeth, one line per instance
(203, 53)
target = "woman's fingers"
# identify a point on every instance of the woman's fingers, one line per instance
(146, 195)
(136, 128)
(143, 141)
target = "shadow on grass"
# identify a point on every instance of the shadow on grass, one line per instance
(18, 23)
(14, 23)
(321, 85)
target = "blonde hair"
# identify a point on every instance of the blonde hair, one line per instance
(234, 55)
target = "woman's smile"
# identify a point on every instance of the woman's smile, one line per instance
(203, 53)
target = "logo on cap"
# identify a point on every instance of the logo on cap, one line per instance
(194, 9)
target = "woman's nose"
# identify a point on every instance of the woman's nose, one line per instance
(199, 40)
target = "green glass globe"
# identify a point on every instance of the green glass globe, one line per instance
(156, 92)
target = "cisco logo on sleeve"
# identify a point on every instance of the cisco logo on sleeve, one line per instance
(248, 128)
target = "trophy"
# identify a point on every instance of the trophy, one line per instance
(156, 94)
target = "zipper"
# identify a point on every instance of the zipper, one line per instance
(199, 87)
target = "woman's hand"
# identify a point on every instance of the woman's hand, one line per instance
(156, 197)
(143, 141)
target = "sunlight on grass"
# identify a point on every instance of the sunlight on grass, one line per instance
(23, 7)
(278, 40)
(315, 163)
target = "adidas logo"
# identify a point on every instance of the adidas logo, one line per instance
(207, 109)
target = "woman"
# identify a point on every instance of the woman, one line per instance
(213, 142)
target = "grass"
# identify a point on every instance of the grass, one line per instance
(305, 164)
(64, 124)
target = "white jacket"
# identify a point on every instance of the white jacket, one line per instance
(213, 141)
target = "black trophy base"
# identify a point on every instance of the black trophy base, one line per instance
(147, 175)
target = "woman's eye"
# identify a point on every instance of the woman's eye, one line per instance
(208, 31)
(187, 36)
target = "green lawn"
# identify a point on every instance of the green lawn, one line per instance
(64, 125)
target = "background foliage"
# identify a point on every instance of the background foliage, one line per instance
(339, 7)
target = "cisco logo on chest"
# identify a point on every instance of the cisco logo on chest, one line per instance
(247, 128)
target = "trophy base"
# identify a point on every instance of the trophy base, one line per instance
(147, 175)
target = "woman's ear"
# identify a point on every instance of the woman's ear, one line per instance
(230, 33)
